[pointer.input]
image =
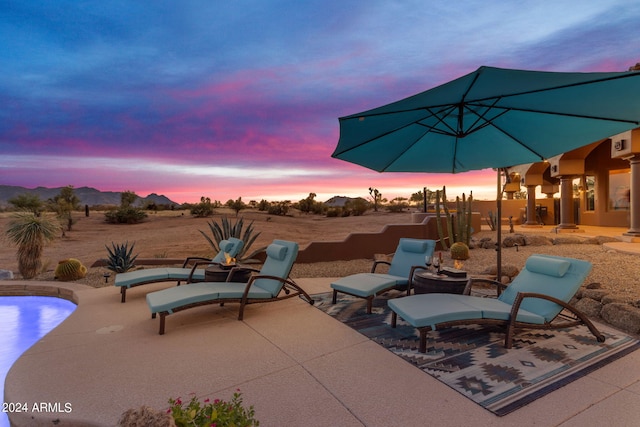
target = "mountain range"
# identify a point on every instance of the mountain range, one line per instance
(87, 195)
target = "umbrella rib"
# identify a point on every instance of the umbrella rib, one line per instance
(603, 79)
(532, 110)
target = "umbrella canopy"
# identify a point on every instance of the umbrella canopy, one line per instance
(491, 118)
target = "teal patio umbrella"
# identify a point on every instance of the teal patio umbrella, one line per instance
(491, 118)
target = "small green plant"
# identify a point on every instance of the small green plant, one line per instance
(225, 229)
(70, 269)
(120, 257)
(218, 413)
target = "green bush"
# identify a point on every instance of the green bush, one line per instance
(218, 413)
(125, 215)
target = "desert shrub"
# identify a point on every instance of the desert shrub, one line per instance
(125, 215)
(202, 209)
(397, 207)
(278, 208)
(357, 206)
(263, 205)
(121, 257)
(226, 229)
(334, 212)
(31, 232)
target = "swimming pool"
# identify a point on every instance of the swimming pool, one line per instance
(25, 319)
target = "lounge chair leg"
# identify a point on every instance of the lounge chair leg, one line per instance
(241, 312)
(162, 316)
(369, 305)
(335, 297)
(123, 291)
(394, 319)
(423, 341)
(153, 315)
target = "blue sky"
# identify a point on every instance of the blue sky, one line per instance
(242, 98)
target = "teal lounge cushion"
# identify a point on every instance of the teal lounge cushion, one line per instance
(168, 299)
(547, 266)
(430, 309)
(133, 278)
(277, 252)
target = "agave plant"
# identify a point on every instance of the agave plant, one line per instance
(120, 257)
(225, 229)
(31, 232)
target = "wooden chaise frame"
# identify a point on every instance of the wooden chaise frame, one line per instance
(573, 318)
(289, 288)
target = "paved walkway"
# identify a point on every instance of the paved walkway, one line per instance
(295, 364)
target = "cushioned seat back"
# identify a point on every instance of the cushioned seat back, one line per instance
(232, 246)
(280, 258)
(558, 277)
(410, 252)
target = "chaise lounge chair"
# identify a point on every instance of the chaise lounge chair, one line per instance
(409, 256)
(272, 283)
(535, 297)
(130, 279)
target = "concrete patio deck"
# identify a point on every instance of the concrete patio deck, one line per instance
(296, 365)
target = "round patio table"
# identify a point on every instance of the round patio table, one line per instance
(426, 282)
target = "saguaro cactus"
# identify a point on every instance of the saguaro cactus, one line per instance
(458, 225)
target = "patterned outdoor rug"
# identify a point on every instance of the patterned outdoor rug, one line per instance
(473, 361)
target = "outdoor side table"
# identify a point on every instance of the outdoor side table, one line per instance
(426, 282)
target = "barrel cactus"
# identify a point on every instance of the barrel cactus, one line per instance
(70, 269)
(459, 251)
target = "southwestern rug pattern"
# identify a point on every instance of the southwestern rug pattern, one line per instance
(472, 359)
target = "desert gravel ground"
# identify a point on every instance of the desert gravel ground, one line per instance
(175, 234)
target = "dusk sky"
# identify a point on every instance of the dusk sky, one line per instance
(229, 99)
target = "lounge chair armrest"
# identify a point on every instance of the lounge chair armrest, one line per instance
(414, 268)
(379, 261)
(194, 258)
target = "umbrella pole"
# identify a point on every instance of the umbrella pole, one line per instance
(499, 227)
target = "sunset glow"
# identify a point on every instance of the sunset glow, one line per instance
(242, 99)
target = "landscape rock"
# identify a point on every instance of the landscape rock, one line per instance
(622, 316)
(567, 240)
(612, 299)
(6, 275)
(509, 271)
(594, 285)
(514, 240)
(599, 240)
(589, 307)
(595, 294)
(537, 240)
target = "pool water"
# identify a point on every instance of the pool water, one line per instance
(24, 320)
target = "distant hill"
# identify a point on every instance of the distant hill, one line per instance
(339, 201)
(87, 195)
